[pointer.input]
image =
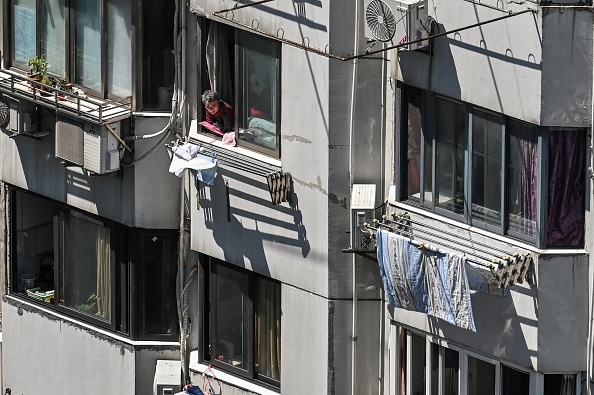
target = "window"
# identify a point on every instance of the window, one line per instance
(99, 47)
(79, 264)
(244, 69)
(244, 328)
(485, 169)
(431, 366)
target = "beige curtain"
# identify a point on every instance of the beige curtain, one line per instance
(103, 275)
(268, 329)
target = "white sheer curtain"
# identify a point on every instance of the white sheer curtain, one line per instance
(53, 35)
(103, 274)
(119, 48)
(88, 44)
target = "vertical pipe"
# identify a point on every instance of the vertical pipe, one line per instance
(351, 181)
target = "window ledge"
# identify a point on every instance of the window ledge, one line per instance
(228, 378)
(470, 228)
(16, 301)
(238, 157)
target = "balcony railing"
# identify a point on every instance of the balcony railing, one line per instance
(81, 106)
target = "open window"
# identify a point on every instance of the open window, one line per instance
(244, 69)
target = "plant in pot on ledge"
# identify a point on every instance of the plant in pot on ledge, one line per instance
(37, 70)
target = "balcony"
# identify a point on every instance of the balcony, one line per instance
(98, 111)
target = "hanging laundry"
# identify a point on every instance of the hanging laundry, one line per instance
(430, 282)
(205, 167)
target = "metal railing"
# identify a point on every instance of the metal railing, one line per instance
(73, 103)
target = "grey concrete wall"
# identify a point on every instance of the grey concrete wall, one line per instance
(42, 354)
(131, 200)
(566, 67)
(562, 313)
(496, 66)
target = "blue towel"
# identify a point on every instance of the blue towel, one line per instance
(430, 282)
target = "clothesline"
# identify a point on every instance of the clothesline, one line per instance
(506, 270)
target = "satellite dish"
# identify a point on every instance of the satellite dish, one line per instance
(380, 20)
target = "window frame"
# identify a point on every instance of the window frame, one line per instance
(463, 364)
(428, 131)
(238, 35)
(126, 273)
(69, 50)
(209, 265)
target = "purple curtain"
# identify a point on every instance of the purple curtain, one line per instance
(567, 166)
(529, 185)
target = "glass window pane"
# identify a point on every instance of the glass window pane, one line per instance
(230, 318)
(258, 111)
(119, 48)
(86, 261)
(87, 41)
(268, 329)
(450, 372)
(487, 169)
(451, 146)
(434, 369)
(522, 177)
(428, 153)
(24, 29)
(159, 271)
(417, 383)
(481, 377)
(514, 382)
(413, 153)
(53, 35)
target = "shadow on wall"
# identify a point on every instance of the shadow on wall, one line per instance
(225, 217)
(499, 325)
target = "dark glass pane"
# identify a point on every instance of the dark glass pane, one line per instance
(159, 284)
(230, 318)
(451, 372)
(414, 138)
(487, 168)
(418, 365)
(481, 377)
(434, 369)
(451, 146)
(522, 178)
(514, 382)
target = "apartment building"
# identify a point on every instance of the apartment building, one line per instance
(461, 126)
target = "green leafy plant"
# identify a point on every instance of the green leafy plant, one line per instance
(37, 67)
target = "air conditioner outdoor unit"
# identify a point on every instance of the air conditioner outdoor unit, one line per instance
(167, 379)
(70, 140)
(23, 116)
(100, 154)
(397, 21)
(362, 211)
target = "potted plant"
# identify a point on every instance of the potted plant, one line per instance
(37, 68)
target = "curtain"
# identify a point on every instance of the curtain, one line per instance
(568, 384)
(268, 321)
(103, 275)
(529, 164)
(53, 34)
(119, 48)
(567, 166)
(218, 62)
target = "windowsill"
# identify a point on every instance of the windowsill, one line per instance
(223, 376)
(486, 233)
(216, 141)
(88, 326)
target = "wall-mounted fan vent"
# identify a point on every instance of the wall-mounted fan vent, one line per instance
(380, 20)
(4, 114)
(397, 21)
